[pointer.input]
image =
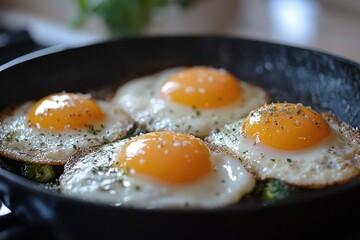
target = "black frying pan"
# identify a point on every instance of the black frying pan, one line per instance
(289, 74)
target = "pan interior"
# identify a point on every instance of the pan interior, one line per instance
(325, 82)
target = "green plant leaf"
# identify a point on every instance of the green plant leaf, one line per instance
(121, 16)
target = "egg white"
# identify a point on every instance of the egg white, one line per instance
(336, 160)
(23, 142)
(93, 177)
(138, 98)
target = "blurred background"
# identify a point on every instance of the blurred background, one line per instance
(331, 26)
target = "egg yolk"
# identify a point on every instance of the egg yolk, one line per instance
(286, 126)
(65, 111)
(170, 157)
(202, 87)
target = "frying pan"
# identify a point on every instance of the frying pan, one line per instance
(292, 74)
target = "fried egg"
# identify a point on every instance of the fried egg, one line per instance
(156, 170)
(293, 143)
(50, 130)
(193, 100)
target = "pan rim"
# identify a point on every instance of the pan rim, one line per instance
(69, 47)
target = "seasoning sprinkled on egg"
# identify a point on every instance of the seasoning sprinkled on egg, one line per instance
(50, 130)
(157, 170)
(293, 143)
(193, 100)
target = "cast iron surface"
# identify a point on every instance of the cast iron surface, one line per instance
(289, 74)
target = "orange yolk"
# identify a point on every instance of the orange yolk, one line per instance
(202, 87)
(171, 157)
(65, 111)
(286, 126)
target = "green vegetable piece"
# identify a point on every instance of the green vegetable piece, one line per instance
(38, 173)
(275, 190)
(272, 190)
(257, 192)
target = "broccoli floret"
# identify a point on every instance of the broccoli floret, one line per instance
(39, 173)
(272, 190)
(257, 192)
(275, 189)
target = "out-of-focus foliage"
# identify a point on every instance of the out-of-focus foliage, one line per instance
(123, 16)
